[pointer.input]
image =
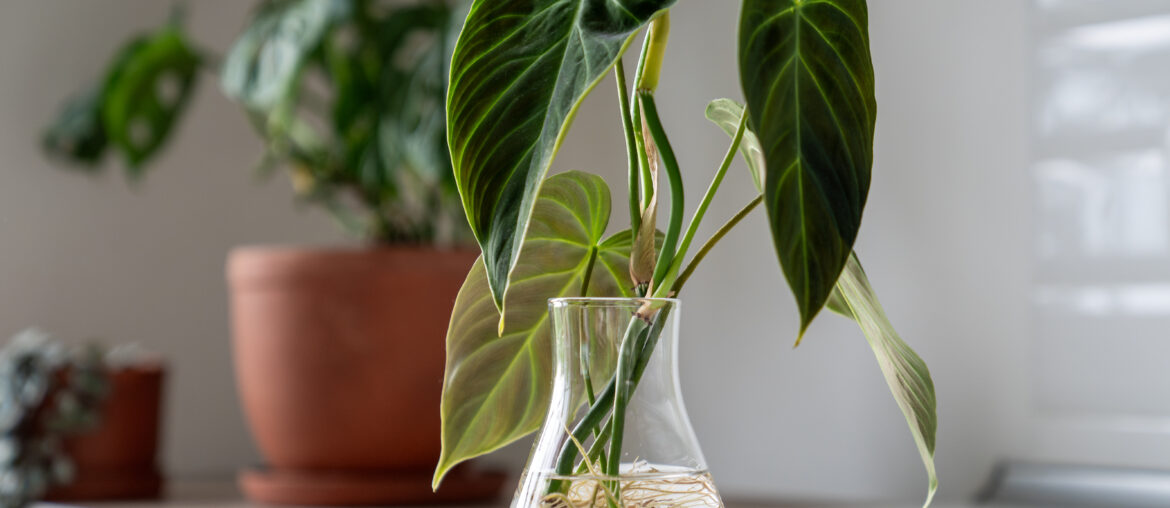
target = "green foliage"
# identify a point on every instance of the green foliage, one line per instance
(727, 113)
(519, 72)
(145, 90)
(905, 372)
(807, 76)
(347, 94)
(499, 373)
(46, 394)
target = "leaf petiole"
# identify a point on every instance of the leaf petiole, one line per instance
(668, 286)
(674, 176)
(710, 244)
(631, 148)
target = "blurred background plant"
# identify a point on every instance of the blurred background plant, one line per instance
(47, 392)
(348, 96)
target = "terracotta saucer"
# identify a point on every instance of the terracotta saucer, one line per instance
(367, 488)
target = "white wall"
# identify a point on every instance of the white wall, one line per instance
(946, 241)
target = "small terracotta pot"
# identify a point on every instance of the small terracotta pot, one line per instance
(119, 459)
(339, 359)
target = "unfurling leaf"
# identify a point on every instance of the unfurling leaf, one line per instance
(807, 76)
(497, 386)
(905, 372)
(519, 72)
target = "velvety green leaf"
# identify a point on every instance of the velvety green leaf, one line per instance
(519, 71)
(806, 73)
(727, 113)
(905, 372)
(146, 91)
(263, 66)
(496, 388)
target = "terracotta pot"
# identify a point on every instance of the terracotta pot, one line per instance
(119, 459)
(339, 360)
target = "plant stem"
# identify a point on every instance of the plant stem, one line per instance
(623, 377)
(631, 148)
(643, 160)
(645, 344)
(581, 432)
(710, 244)
(670, 164)
(597, 449)
(653, 49)
(693, 228)
(646, 74)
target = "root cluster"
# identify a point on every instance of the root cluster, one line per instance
(692, 491)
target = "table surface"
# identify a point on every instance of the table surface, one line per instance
(223, 494)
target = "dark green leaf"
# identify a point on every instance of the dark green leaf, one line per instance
(518, 74)
(806, 73)
(263, 66)
(78, 134)
(905, 372)
(146, 91)
(496, 388)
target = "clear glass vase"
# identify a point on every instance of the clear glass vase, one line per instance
(617, 433)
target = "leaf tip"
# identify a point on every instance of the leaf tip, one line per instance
(805, 321)
(440, 472)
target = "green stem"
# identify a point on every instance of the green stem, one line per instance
(588, 271)
(710, 244)
(646, 74)
(597, 449)
(584, 354)
(597, 412)
(631, 148)
(670, 164)
(643, 160)
(702, 210)
(580, 433)
(623, 375)
(653, 50)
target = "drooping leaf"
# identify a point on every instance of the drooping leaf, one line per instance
(519, 71)
(806, 73)
(727, 113)
(496, 388)
(905, 372)
(146, 91)
(263, 66)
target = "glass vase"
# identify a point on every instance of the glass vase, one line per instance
(617, 433)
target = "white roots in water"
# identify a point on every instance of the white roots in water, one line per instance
(645, 488)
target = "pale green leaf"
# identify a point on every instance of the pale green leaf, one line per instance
(906, 373)
(496, 387)
(727, 113)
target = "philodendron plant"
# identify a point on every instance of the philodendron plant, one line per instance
(521, 69)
